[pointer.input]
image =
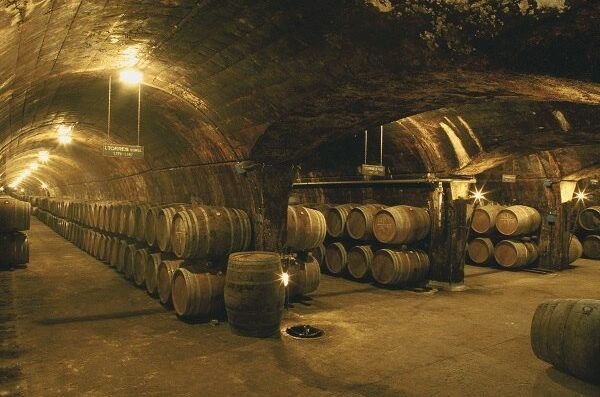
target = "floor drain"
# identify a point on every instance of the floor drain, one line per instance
(304, 332)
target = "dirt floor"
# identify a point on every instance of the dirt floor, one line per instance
(72, 326)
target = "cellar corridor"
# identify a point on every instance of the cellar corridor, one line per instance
(378, 342)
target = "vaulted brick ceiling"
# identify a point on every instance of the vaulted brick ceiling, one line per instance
(271, 80)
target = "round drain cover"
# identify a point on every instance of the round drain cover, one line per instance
(304, 331)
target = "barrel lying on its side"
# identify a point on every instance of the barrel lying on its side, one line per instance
(305, 276)
(15, 214)
(306, 228)
(565, 333)
(14, 249)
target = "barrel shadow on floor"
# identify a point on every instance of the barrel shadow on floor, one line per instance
(100, 317)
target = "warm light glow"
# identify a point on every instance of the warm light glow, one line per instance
(43, 156)
(581, 195)
(285, 279)
(478, 195)
(1, 188)
(65, 134)
(33, 166)
(44, 186)
(25, 173)
(131, 76)
(22, 190)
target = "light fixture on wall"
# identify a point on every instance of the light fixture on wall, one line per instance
(581, 196)
(65, 134)
(43, 156)
(131, 76)
(478, 195)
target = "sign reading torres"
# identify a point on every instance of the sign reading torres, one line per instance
(125, 151)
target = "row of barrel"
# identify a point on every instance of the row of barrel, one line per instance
(513, 254)
(194, 288)
(188, 231)
(15, 218)
(307, 226)
(512, 221)
(589, 230)
(385, 266)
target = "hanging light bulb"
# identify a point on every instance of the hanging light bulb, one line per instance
(33, 166)
(26, 173)
(65, 134)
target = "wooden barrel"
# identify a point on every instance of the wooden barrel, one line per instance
(151, 222)
(120, 265)
(151, 275)
(336, 258)
(518, 220)
(360, 259)
(401, 224)
(591, 246)
(484, 218)
(125, 212)
(129, 260)
(564, 333)
(322, 208)
(336, 220)
(110, 243)
(319, 254)
(306, 228)
(164, 278)
(14, 249)
(140, 260)
(589, 219)
(481, 250)
(139, 220)
(575, 248)
(400, 268)
(210, 232)
(164, 225)
(304, 276)
(101, 250)
(359, 223)
(115, 217)
(254, 293)
(15, 215)
(197, 294)
(515, 254)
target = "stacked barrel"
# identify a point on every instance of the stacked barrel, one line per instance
(506, 236)
(14, 220)
(306, 231)
(177, 252)
(375, 242)
(589, 225)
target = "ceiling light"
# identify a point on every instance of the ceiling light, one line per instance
(131, 76)
(33, 166)
(26, 173)
(65, 134)
(22, 190)
(43, 156)
(44, 185)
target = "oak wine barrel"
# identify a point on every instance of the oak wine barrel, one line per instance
(400, 268)
(319, 254)
(481, 251)
(151, 223)
(139, 221)
(575, 248)
(589, 219)
(306, 228)
(518, 220)
(120, 265)
(140, 259)
(515, 254)
(210, 232)
(336, 220)
(150, 277)
(15, 215)
(164, 225)
(484, 218)
(129, 260)
(336, 258)
(14, 249)
(360, 259)
(359, 224)
(197, 294)
(254, 293)
(564, 333)
(304, 276)
(401, 224)
(164, 278)
(591, 246)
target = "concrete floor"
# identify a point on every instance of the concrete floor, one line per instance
(71, 326)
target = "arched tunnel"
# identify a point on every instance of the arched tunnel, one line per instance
(269, 107)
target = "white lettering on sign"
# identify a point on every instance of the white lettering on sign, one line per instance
(124, 151)
(509, 178)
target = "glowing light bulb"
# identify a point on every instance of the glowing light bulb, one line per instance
(1, 188)
(22, 190)
(26, 173)
(43, 156)
(44, 185)
(581, 195)
(478, 195)
(285, 279)
(33, 166)
(131, 76)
